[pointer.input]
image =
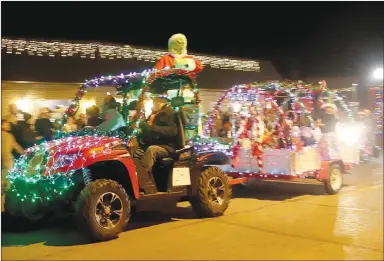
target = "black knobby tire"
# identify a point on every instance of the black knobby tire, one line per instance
(202, 202)
(328, 183)
(85, 208)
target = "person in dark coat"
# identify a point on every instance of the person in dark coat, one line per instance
(44, 126)
(26, 137)
(158, 134)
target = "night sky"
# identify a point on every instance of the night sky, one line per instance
(311, 38)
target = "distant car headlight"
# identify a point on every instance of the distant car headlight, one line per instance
(64, 160)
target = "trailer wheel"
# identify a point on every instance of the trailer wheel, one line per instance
(103, 210)
(213, 194)
(335, 181)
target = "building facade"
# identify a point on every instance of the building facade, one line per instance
(38, 73)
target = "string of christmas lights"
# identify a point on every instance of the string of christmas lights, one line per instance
(46, 172)
(104, 51)
(142, 80)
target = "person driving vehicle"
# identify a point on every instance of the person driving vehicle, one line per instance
(158, 134)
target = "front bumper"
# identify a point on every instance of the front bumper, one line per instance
(41, 192)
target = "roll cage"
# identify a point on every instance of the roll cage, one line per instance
(149, 81)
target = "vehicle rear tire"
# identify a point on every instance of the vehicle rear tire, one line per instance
(335, 181)
(103, 210)
(213, 193)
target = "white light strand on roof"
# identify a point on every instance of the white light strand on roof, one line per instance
(93, 50)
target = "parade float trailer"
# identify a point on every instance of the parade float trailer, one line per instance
(92, 172)
(262, 144)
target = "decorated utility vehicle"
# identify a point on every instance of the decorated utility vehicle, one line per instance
(92, 172)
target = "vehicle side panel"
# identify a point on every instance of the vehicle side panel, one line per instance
(213, 158)
(123, 156)
(203, 160)
(128, 163)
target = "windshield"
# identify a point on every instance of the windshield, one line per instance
(127, 82)
(133, 85)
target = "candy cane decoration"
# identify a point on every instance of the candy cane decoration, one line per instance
(258, 143)
(279, 126)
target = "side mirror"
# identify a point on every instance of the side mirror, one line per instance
(177, 101)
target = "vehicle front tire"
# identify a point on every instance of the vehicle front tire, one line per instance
(335, 181)
(103, 210)
(19, 216)
(213, 193)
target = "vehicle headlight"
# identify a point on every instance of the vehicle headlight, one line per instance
(349, 134)
(64, 160)
(36, 163)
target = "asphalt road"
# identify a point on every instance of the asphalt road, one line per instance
(273, 220)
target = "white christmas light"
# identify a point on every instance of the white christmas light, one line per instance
(93, 50)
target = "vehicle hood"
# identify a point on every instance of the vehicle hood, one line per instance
(66, 154)
(80, 144)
